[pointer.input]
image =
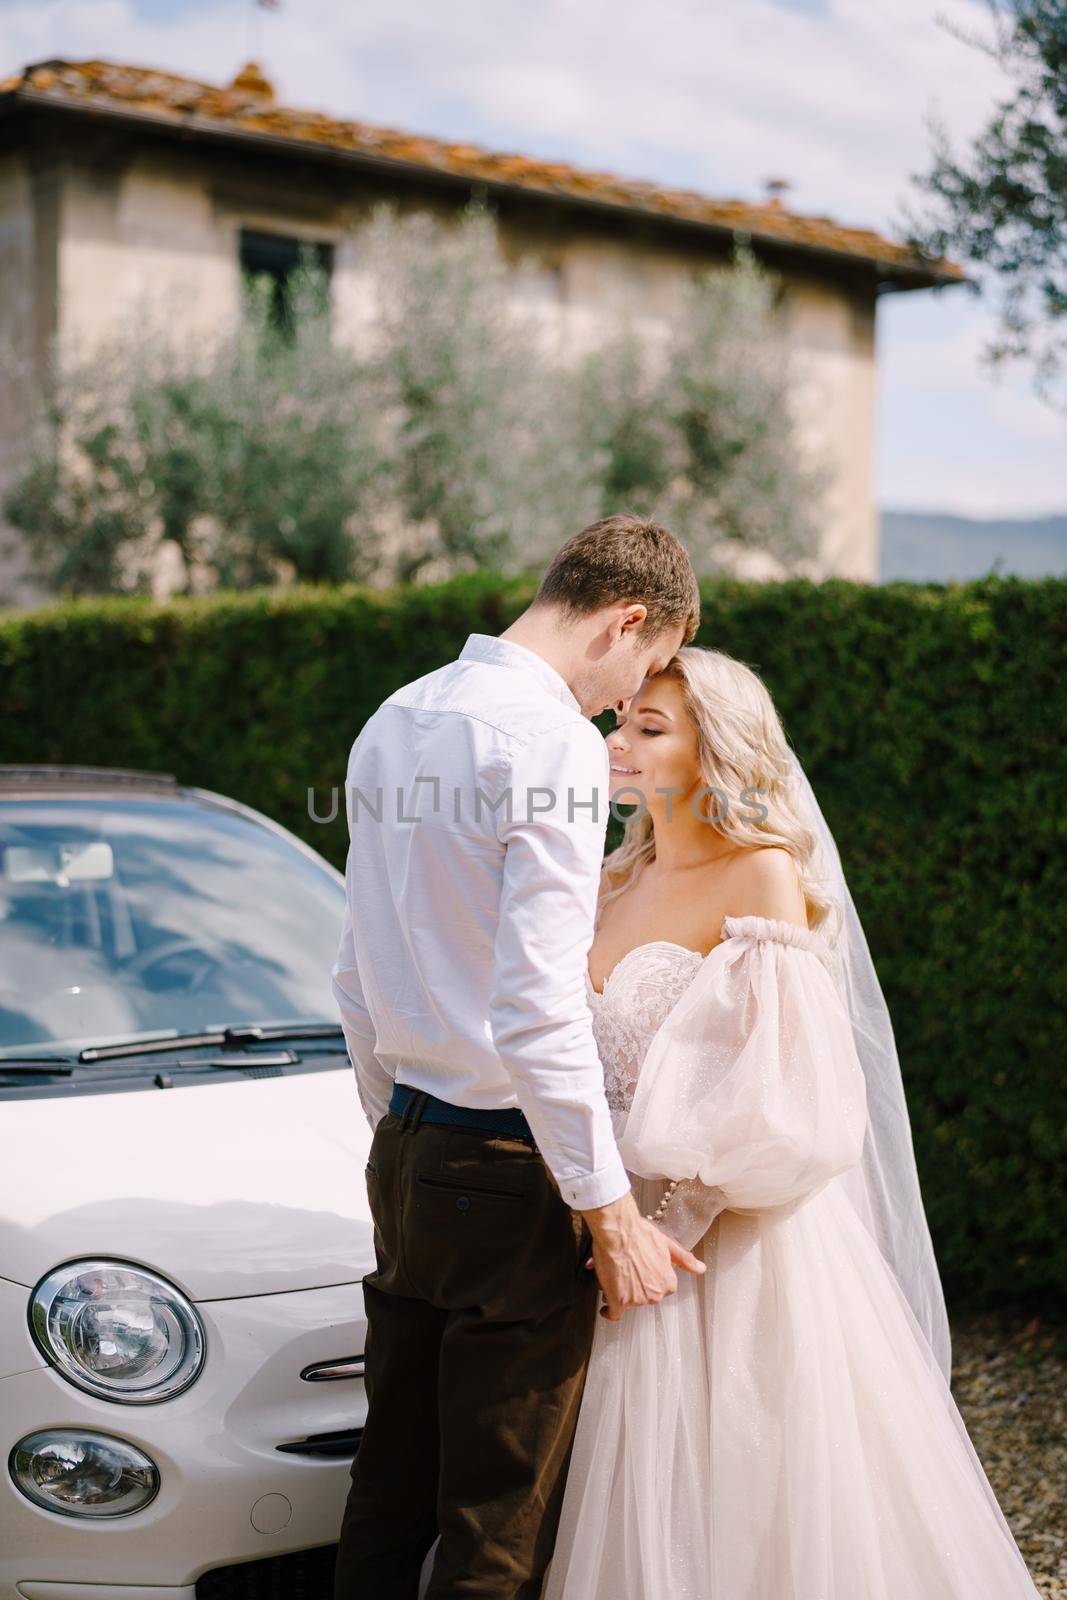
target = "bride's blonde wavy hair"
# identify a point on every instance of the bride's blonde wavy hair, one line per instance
(741, 747)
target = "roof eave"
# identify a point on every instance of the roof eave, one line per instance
(888, 274)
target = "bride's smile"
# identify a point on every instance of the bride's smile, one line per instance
(658, 742)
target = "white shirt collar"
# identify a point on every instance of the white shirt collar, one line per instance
(506, 653)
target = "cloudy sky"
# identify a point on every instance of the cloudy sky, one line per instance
(718, 95)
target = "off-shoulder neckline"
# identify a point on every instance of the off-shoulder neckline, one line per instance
(780, 928)
(747, 927)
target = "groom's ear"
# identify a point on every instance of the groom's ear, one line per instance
(622, 620)
(632, 617)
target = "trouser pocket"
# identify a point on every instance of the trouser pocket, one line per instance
(484, 1225)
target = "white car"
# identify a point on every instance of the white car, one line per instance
(183, 1213)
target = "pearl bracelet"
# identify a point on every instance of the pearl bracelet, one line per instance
(654, 1216)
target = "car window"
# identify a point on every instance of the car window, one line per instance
(125, 916)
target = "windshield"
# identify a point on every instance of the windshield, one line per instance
(125, 917)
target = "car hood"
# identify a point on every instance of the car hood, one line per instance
(226, 1188)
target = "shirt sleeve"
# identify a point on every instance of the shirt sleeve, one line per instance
(539, 1012)
(373, 1083)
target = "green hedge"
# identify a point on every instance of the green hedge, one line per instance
(931, 721)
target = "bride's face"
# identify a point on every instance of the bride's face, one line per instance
(654, 746)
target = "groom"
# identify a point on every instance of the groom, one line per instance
(478, 804)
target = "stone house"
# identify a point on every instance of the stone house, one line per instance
(114, 175)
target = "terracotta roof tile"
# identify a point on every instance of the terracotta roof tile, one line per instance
(247, 106)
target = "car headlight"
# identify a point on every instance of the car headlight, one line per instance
(83, 1474)
(117, 1331)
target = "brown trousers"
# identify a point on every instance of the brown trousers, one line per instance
(480, 1320)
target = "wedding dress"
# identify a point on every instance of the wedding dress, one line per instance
(778, 1428)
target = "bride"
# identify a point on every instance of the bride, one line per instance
(780, 1427)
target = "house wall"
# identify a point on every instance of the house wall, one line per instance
(831, 338)
(150, 229)
(829, 335)
(29, 224)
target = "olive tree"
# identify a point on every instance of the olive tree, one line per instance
(698, 425)
(1002, 205)
(459, 429)
(245, 460)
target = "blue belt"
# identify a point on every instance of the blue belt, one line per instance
(427, 1107)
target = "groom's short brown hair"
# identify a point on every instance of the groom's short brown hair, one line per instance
(622, 558)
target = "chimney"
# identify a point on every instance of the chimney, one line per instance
(250, 81)
(775, 188)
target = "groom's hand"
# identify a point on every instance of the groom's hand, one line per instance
(634, 1260)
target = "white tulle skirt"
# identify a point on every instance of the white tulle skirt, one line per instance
(777, 1429)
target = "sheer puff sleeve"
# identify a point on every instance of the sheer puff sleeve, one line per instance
(751, 1092)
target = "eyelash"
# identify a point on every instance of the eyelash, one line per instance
(654, 731)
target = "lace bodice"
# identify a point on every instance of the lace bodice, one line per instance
(645, 985)
(638, 993)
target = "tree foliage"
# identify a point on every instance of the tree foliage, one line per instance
(1004, 207)
(459, 428)
(250, 459)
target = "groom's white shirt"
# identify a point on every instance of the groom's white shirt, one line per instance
(462, 961)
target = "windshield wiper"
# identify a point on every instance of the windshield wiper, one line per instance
(59, 1065)
(235, 1036)
(251, 1033)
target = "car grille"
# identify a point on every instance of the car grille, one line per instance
(302, 1575)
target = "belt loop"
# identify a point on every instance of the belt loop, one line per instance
(423, 1097)
(407, 1107)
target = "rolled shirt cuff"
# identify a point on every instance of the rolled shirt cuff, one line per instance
(587, 1191)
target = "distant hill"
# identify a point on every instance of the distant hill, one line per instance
(935, 548)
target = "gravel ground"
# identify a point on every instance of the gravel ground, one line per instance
(1009, 1379)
